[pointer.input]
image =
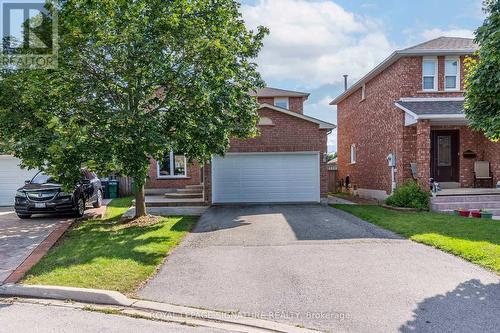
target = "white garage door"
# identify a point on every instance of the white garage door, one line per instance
(267, 177)
(12, 177)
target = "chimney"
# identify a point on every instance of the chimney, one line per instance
(345, 81)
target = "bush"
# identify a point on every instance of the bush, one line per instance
(409, 195)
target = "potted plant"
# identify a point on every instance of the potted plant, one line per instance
(463, 212)
(475, 213)
(485, 214)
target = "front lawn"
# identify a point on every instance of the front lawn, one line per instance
(476, 240)
(108, 254)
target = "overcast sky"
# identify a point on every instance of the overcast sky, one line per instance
(314, 42)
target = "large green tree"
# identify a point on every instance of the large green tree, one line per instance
(135, 79)
(482, 97)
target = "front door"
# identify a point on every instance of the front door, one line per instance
(444, 156)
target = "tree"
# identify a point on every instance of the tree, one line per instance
(135, 79)
(331, 156)
(482, 84)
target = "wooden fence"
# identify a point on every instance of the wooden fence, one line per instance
(332, 179)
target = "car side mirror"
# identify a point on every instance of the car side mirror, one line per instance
(27, 181)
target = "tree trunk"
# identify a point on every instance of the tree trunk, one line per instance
(140, 202)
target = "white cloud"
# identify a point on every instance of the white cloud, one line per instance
(315, 42)
(436, 32)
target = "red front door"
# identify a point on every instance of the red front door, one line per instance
(444, 156)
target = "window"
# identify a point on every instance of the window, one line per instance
(451, 74)
(429, 74)
(281, 102)
(172, 165)
(363, 92)
(353, 153)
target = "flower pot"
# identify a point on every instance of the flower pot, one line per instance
(464, 213)
(476, 214)
(487, 215)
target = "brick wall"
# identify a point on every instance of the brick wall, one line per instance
(295, 104)
(287, 134)
(193, 177)
(377, 128)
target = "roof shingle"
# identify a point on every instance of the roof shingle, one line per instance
(421, 108)
(275, 92)
(446, 43)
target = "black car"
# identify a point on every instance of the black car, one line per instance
(42, 195)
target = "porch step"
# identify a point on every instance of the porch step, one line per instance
(190, 190)
(178, 195)
(178, 203)
(447, 204)
(465, 205)
(161, 201)
(199, 187)
(467, 198)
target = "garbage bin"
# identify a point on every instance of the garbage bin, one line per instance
(113, 189)
(104, 187)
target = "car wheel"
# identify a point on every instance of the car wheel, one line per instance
(80, 207)
(24, 216)
(98, 202)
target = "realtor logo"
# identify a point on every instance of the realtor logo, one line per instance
(28, 29)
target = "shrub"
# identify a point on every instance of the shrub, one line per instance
(409, 195)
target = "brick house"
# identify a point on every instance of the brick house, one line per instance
(411, 105)
(286, 162)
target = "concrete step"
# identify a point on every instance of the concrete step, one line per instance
(180, 203)
(465, 205)
(183, 195)
(189, 190)
(200, 187)
(466, 198)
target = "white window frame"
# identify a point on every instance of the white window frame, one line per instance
(172, 168)
(435, 60)
(363, 92)
(282, 99)
(353, 153)
(457, 86)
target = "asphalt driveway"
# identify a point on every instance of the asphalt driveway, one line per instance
(322, 268)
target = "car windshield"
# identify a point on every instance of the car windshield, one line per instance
(42, 178)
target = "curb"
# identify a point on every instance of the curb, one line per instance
(94, 296)
(157, 310)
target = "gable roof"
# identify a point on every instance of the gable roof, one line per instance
(429, 108)
(437, 46)
(322, 124)
(275, 92)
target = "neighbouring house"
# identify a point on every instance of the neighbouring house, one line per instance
(412, 106)
(12, 177)
(286, 162)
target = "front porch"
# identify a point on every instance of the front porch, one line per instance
(450, 153)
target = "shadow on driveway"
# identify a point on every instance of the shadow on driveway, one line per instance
(471, 307)
(307, 222)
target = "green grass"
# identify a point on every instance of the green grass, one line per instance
(476, 240)
(106, 254)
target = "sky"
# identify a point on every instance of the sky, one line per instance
(312, 43)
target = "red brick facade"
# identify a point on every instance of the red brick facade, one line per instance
(287, 134)
(295, 104)
(193, 177)
(377, 127)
